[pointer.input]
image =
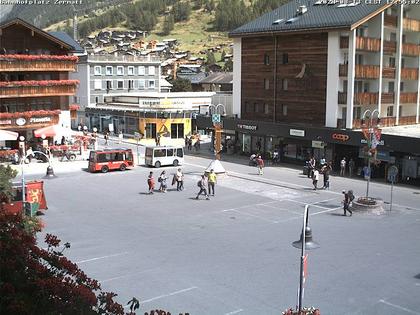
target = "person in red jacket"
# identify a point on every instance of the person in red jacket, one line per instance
(151, 182)
(260, 163)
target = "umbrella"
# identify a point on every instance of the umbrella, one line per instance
(8, 135)
(54, 130)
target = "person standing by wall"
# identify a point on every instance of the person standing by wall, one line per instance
(343, 167)
(351, 167)
(212, 181)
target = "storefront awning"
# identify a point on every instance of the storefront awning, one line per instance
(52, 131)
(6, 135)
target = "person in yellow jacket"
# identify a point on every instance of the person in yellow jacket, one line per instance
(212, 181)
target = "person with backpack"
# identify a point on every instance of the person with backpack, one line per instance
(179, 179)
(203, 183)
(162, 180)
(348, 198)
(151, 182)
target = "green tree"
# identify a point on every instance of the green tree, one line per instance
(181, 11)
(227, 15)
(6, 176)
(168, 24)
(211, 60)
(228, 67)
(181, 85)
(222, 57)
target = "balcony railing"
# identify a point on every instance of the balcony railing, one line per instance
(362, 43)
(37, 88)
(390, 20)
(411, 25)
(385, 122)
(366, 98)
(390, 47)
(342, 98)
(388, 73)
(409, 73)
(408, 97)
(12, 63)
(407, 120)
(361, 71)
(387, 98)
(410, 50)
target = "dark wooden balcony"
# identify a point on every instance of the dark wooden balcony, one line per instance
(37, 88)
(365, 98)
(390, 20)
(362, 43)
(410, 50)
(390, 47)
(408, 97)
(409, 73)
(407, 120)
(411, 25)
(387, 98)
(388, 73)
(12, 63)
(385, 122)
(342, 98)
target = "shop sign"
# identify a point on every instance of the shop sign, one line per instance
(297, 132)
(364, 141)
(247, 127)
(20, 121)
(40, 119)
(6, 122)
(340, 137)
(318, 144)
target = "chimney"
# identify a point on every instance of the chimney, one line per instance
(302, 10)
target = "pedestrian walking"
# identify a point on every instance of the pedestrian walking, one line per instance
(157, 140)
(179, 178)
(120, 137)
(260, 164)
(151, 183)
(190, 140)
(311, 167)
(106, 137)
(186, 141)
(315, 178)
(203, 183)
(162, 180)
(343, 167)
(351, 167)
(212, 181)
(326, 173)
(348, 198)
(259, 145)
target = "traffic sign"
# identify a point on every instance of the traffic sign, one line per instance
(393, 170)
(216, 118)
(137, 135)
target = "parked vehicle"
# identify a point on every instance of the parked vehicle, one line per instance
(160, 156)
(110, 159)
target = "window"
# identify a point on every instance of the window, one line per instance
(400, 111)
(179, 153)
(345, 86)
(108, 84)
(391, 87)
(120, 70)
(390, 111)
(96, 99)
(266, 84)
(248, 107)
(150, 130)
(359, 59)
(159, 152)
(391, 62)
(266, 109)
(151, 84)
(393, 37)
(169, 152)
(357, 112)
(141, 84)
(177, 131)
(284, 84)
(141, 70)
(109, 70)
(130, 84)
(120, 84)
(266, 59)
(284, 110)
(402, 63)
(151, 70)
(255, 108)
(358, 86)
(366, 87)
(346, 58)
(360, 31)
(130, 70)
(401, 86)
(285, 58)
(75, 99)
(97, 84)
(98, 70)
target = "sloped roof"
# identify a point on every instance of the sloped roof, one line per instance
(320, 15)
(63, 36)
(218, 78)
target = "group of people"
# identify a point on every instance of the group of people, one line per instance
(189, 143)
(206, 184)
(314, 172)
(343, 164)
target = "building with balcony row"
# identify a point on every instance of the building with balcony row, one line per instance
(34, 78)
(305, 73)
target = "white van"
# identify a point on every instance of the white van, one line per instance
(167, 155)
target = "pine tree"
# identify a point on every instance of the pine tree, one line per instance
(211, 60)
(168, 25)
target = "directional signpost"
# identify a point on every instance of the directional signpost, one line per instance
(392, 176)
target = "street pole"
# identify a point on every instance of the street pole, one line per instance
(369, 157)
(23, 186)
(302, 259)
(392, 189)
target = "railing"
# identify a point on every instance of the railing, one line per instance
(388, 73)
(411, 25)
(408, 97)
(366, 72)
(344, 42)
(10, 65)
(385, 122)
(34, 88)
(410, 49)
(390, 20)
(390, 47)
(342, 97)
(368, 44)
(409, 73)
(407, 120)
(366, 98)
(342, 70)
(387, 98)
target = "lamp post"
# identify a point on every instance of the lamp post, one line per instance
(305, 238)
(216, 111)
(368, 117)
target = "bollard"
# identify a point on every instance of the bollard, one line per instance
(50, 171)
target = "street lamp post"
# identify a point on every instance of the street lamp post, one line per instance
(216, 111)
(306, 239)
(368, 116)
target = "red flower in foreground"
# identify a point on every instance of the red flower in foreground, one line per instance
(38, 57)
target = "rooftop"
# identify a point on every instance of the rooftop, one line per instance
(411, 131)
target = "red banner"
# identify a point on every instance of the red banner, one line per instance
(35, 194)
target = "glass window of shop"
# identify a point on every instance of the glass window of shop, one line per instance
(177, 131)
(297, 152)
(131, 125)
(244, 142)
(150, 130)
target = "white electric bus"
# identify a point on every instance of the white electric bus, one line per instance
(161, 156)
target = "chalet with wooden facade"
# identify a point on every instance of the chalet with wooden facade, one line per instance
(34, 78)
